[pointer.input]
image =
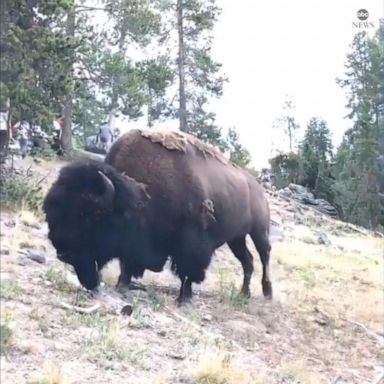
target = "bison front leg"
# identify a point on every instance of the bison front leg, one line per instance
(191, 269)
(125, 279)
(185, 291)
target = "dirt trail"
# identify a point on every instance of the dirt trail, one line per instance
(325, 324)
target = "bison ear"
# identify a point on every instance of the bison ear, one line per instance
(109, 188)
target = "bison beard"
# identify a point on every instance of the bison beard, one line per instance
(179, 200)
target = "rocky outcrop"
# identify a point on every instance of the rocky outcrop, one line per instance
(303, 196)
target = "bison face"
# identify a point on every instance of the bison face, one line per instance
(87, 273)
(69, 250)
(94, 214)
(78, 207)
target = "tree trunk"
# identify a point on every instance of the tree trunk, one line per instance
(181, 64)
(115, 96)
(66, 133)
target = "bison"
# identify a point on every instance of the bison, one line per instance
(158, 195)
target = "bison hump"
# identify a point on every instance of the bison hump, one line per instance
(179, 141)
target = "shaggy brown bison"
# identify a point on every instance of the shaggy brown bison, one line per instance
(159, 194)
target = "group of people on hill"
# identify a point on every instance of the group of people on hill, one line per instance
(23, 136)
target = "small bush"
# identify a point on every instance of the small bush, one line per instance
(6, 332)
(156, 301)
(21, 191)
(106, 344)
(217, 368)
(5, 337)
(9, 289)
(229, 293)
(58, 279)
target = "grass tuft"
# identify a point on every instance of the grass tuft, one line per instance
(9, 289)
(21, 191)
(217, 368)
(58, 278)
(229, 293)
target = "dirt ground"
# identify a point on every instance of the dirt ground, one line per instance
(324, 325)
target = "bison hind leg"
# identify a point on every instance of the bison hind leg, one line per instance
(263, 246)
(239, 248)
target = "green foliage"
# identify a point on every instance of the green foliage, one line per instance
(287, 122)
(287, 168)
(157, 76)
(58, 279)
(238, 154)
(35, 54)
(9, 289)
(5, 337)
(57, 61)
(199, 75)
(315, 156)
(229, 293)
(202, 125)
(359, 178)
(18, 191)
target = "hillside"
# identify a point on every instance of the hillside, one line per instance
(325, 324)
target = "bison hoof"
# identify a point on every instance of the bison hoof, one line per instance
(124, 288)
(245, 292)
(183, 300)
(267, 290)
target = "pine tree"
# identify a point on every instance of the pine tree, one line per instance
(287, 122)
(238, 154)
(199, 75)
(34, 55)
(315, 154)
(359, 180)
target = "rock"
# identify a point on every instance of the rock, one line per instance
(207, 317)
(4, 251)
(298, 219)
(322, 238)
(10, 223)
(308, 239)
(36, 257)
(296, 188)
(31, 224)
(127, 310)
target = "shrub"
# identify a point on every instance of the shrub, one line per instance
(21, 191)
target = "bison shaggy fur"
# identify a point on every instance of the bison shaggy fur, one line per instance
(158, 195)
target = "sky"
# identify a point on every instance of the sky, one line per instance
(273, 48)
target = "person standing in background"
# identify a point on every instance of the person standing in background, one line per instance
(23, 133)
(105, 136)
(3, 135)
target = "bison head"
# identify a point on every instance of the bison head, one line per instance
(93, 214)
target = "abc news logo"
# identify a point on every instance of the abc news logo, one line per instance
(362, 15)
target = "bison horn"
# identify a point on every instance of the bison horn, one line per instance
(109, 188)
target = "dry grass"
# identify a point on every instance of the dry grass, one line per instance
(215, 367)
(323, 325)
(9, 289)
(297, 372)
(51, 375)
